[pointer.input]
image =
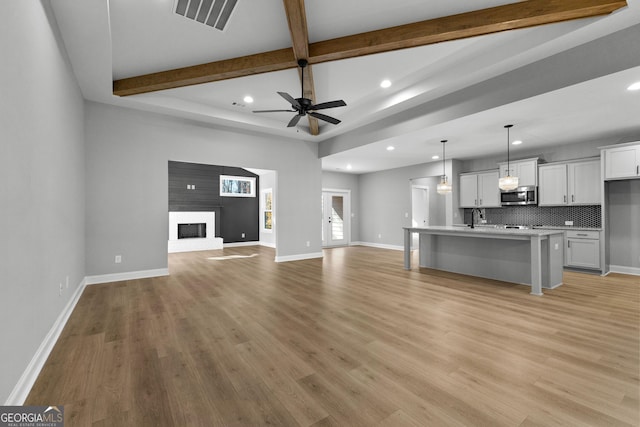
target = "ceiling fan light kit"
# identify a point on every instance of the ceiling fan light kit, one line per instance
(508, 182)
(305, 106)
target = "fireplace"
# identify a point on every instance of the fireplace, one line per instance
(192, 231)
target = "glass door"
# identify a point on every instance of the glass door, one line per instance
(335, 219)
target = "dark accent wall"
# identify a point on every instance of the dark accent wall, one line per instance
(234, 215)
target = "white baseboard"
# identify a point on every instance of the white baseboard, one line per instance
(624, 270)
(25, 383)
(299, 257)
(130, 275)
(268, 245)
(378, 245)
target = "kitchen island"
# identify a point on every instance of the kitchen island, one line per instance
(530, 257)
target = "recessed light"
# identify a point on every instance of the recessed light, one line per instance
(391, 148)
(385, 83)
(436, 157)
(248, 99)
(635, 86)
(349, 167)
(518, 142)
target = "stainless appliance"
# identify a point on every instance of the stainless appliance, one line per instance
(527, 195)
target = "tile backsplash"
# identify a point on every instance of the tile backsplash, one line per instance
(582, 216)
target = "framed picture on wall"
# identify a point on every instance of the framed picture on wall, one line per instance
(237, 186)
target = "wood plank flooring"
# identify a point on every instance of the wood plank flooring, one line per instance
(349, 340)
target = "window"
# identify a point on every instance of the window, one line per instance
(267, 210)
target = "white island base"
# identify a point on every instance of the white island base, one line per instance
(529, 257)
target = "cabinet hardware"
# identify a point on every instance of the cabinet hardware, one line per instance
(573, 198)
(480, 202)
(564, 198)
(582, 234)
(568, 243)
(637, 169)
(475, 201)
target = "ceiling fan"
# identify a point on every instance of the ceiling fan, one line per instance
(303, 106)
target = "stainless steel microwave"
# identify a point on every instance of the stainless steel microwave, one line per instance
(527, 195)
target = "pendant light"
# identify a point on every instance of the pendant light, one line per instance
(508, 182)
(443, 187)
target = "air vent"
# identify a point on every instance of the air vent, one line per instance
(214, 13)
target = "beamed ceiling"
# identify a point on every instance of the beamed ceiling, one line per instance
(350, 44)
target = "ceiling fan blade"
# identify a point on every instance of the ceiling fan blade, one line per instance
(290, 99)
(330, 104)
(294, 121)
(273, 111)
(324, 117)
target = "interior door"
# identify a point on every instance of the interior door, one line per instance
(335, 218)
(419, 209)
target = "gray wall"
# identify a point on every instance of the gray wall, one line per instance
(127, 155)
(385, 201)
(346, 181)
(624, 226)
(548, 154)
(41, 184)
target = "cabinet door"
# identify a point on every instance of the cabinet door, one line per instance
(527, 173)
(583, 253)
(468, 191)
(488, 191)
(622, 162)
(553, 185)
(584, 183)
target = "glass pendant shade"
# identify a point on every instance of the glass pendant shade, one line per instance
(508, 182)
(443, 187)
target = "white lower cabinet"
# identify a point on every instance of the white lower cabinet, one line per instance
(582, 249)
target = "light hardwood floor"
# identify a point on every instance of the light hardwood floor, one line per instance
(351, 340)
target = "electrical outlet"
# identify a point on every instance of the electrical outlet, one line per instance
(243, 235)
(406, 214)
(118, 259)
(379, 236)
(308, 243)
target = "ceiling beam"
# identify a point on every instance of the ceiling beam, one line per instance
(297, 19)
(486, 21)
(266, 62)
(524, 14)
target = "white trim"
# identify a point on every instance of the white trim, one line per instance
(238, 244)
(624, 270)
(130, 275)
(268, 244)
(379, 246)
(25, 383)
(299, 257)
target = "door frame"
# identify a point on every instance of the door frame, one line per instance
(414, 242)
(346, 193)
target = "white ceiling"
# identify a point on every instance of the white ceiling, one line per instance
(559, 84)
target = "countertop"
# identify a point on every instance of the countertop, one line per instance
(537, 227)
(482, 230)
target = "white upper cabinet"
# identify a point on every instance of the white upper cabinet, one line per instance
(622, 162)
(526, 171)
(575, 183)
(552, 190)
(479, 190)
